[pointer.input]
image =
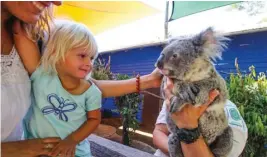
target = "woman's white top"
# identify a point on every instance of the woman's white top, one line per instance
(15, 96)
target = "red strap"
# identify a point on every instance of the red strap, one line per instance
(138, 83)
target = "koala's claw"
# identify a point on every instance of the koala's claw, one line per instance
(174, 104)
(188, 93)
(195, 90)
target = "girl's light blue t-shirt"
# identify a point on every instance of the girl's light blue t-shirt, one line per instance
(57, 113)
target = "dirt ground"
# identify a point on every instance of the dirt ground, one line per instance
(116, 122)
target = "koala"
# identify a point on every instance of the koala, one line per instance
(188, 62)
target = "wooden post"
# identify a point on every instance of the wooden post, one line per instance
(166, 20)
(125, 133)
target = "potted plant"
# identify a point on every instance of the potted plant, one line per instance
(128, 106)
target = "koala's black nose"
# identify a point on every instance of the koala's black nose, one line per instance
(159, 62)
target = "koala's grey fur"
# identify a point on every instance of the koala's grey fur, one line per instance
(188, 62)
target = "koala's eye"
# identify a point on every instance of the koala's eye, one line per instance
(174, 55)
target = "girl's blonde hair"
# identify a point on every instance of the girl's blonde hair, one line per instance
(65, 36)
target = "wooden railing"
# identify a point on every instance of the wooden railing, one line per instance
(101, 147)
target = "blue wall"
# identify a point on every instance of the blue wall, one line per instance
(250, 49)
(139, 60)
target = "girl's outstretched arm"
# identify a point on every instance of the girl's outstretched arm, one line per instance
(110, 88)
(27, 49)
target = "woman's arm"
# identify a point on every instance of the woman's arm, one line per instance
(27, 148)
(122, 87)
(27, 49)
(195, 149)
(160, 138)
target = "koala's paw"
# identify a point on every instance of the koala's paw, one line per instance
(175, 103)
(174, 147)
(188, 93)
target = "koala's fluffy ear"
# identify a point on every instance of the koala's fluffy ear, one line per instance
(210, 44)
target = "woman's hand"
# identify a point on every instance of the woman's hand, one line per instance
(29, 148)
(188, 116)
(65, 147)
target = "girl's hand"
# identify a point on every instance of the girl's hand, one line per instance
(155, 78)
(65, 147)
(188, 116)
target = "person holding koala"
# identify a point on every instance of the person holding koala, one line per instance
(188, 118)
(196, 119)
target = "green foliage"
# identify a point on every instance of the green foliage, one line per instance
(101, 70)
(128, 108)
(249, 93)
(127, 105)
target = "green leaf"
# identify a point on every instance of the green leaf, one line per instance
(249, 93)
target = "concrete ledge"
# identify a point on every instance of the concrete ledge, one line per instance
(101, 147)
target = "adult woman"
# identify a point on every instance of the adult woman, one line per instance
(15, 85)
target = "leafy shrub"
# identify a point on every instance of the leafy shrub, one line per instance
(128, 108)
(249, 93)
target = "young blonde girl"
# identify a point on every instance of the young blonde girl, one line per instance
(64, 104)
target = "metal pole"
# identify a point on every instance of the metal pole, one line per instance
(166, 20)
